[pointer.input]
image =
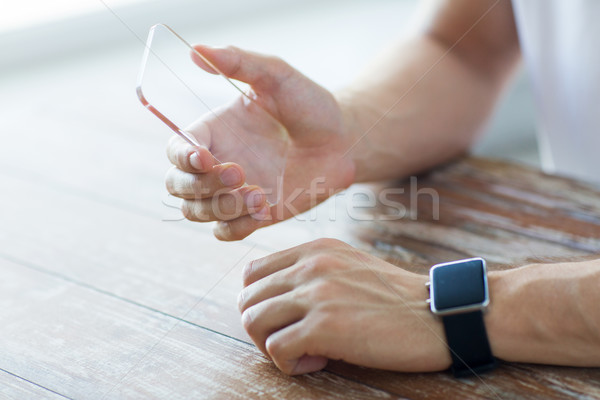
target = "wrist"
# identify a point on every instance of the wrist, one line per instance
(509, 317)
(537, 314)
(428, 347)
(352, 134)
(497, 321)
(441, 359)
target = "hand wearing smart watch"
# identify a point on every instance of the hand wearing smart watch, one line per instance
(326, 300)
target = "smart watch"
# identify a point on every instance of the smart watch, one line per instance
(458, 294)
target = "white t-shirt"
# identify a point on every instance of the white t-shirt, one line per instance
(560, 41)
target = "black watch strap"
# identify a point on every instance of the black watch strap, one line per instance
(471, 354)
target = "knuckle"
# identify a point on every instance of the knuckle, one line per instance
(178, 155)
(241, 300)
(200, 187)
(187, 209)
(321, 321)
(273, 347)
(183, 155)
(181, 183)
(232, 48)
(237, 65)
(170, 180)
(201, 214)
(172, 143)
(248, 321)
(195, 211)
(171, 148)
(279, 64)
(280, 69)
(247, 272)
(183, 160)
(321, 292)
(323, 260)
(276, 61)
(318, 265)
(325, 243)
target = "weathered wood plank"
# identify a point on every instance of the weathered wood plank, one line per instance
(562, 210)
(473, 219)
(509, 381)
(15, 388)
(253, 376)
(141, 259)
(85, 344)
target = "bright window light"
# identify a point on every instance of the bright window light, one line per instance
(25, 13)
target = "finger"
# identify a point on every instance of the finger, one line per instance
(273, 314)
(239, 228)
(261, 71)
(263, 267)
(291, 349)
(189, 158)
(221, 178)
(262, 290)
(227, 206)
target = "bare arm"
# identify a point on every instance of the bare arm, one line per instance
(425, 100)
(546, 313)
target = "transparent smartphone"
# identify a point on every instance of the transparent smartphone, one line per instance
(209, 109)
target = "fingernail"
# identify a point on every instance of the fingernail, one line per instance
(195, 160)
(231, 176)
(263, 215)
(255, 199)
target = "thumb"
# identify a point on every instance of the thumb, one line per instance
(307, 364)
(262, 72)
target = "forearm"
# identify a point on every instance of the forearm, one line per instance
(427, 98)
(418, 106)
(546, 313)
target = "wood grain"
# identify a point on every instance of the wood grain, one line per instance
(15, 388)
(140, 259)
(84, 344)
(509, 381)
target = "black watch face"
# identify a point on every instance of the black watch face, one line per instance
(458, 286)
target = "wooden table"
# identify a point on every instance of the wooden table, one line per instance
(103, 296)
